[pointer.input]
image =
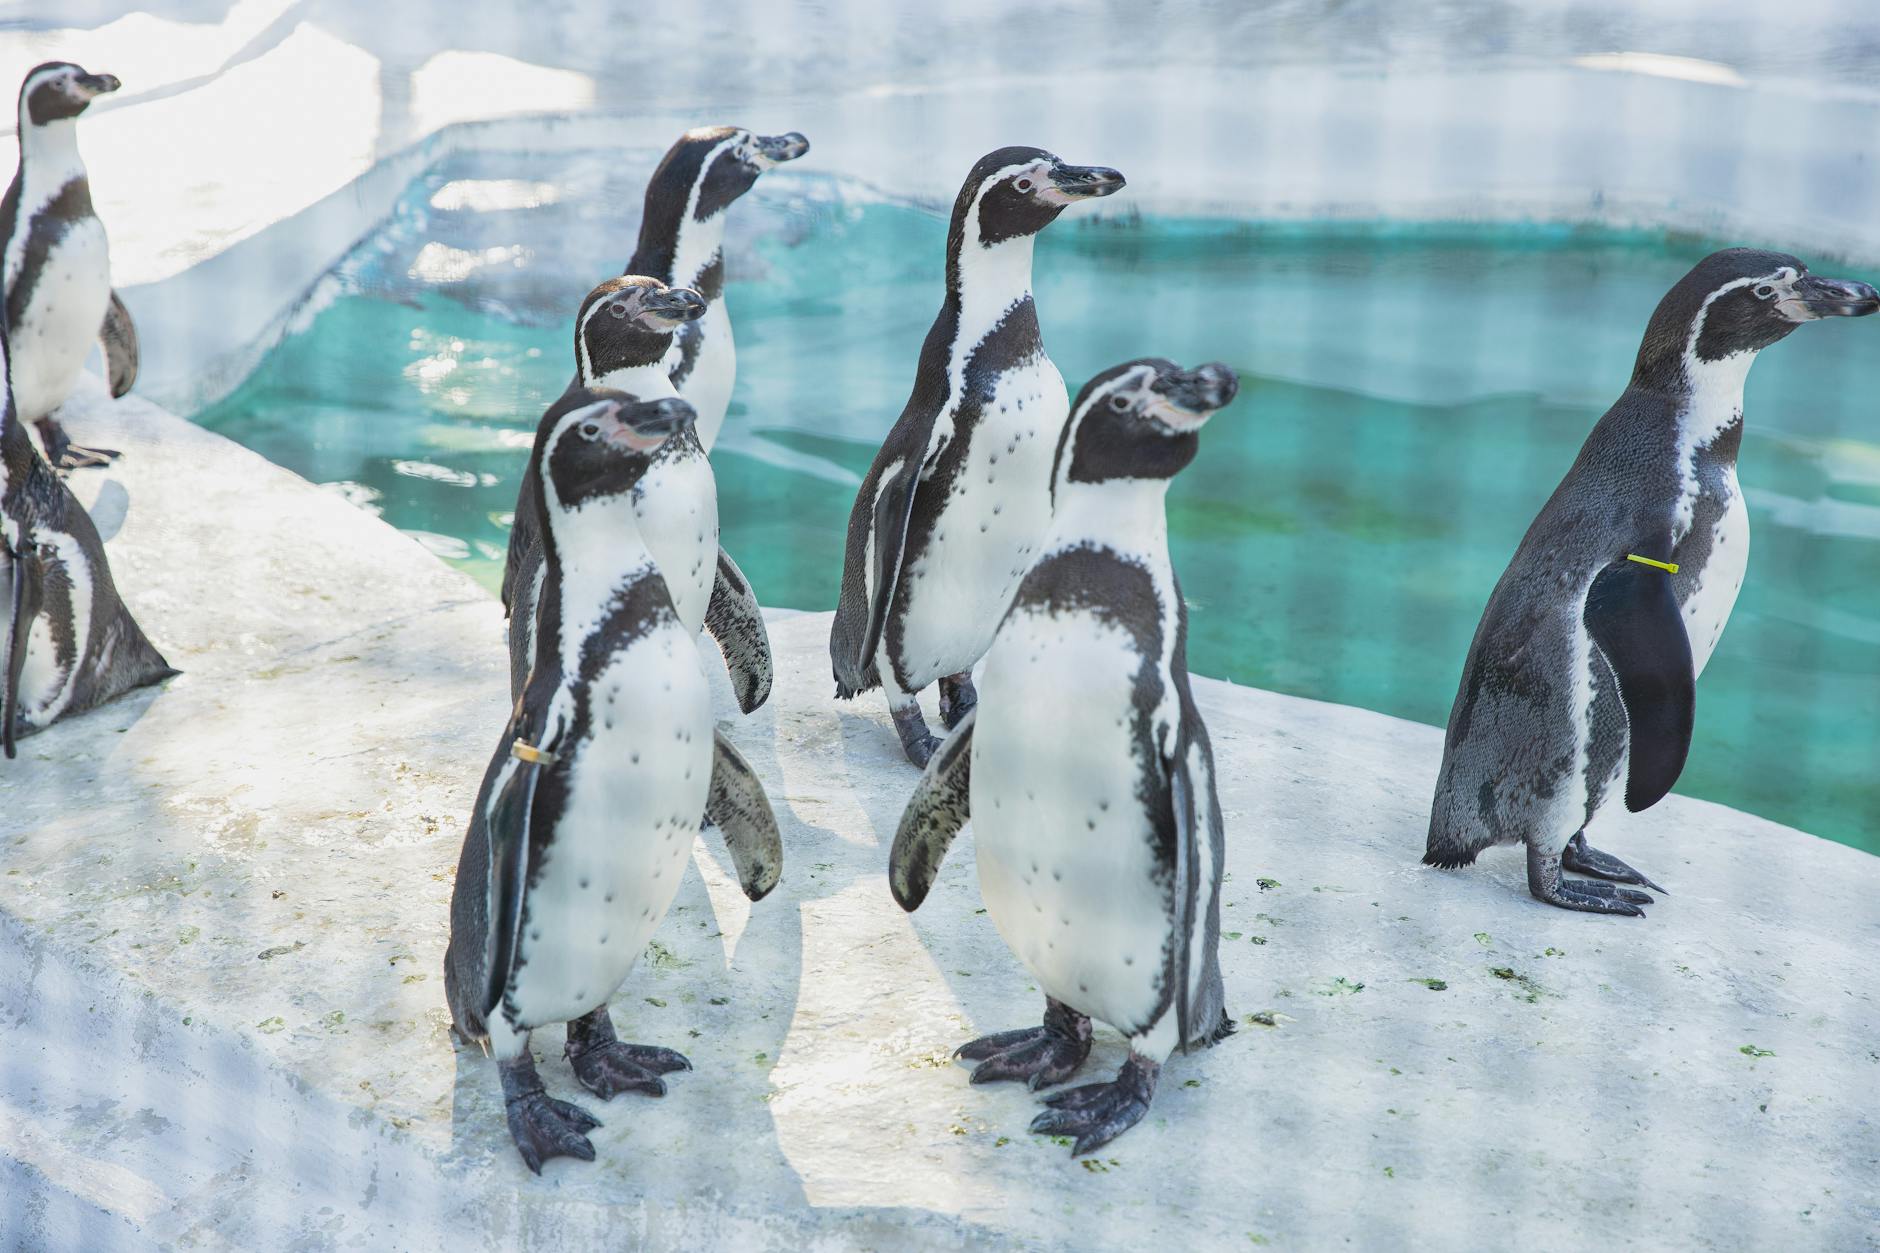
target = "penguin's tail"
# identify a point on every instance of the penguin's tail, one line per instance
(849, 686)
(1449, 857)
(464, 1018)
(1456, 835)
(1222, 1028)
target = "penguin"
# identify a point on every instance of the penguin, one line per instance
(682, 235)
(949, 515)
(1100, 851)
(1580, 683)
(70, 644)
(622, 332)
(581, 830)
(59, 299)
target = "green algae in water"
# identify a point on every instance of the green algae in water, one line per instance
(1410, 397)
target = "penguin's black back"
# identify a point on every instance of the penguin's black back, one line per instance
(1510, 741)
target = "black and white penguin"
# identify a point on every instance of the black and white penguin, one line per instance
(59, 300)
(588, 808)
(1583, 672)
(682, 236)
(1086, 769)
(622, 333)
(950, 514)
(70, 644)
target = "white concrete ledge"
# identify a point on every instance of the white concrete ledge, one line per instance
(222, 916)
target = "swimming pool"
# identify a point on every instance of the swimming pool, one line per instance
(1410, 394)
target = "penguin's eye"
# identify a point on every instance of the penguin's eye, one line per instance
(1119, 402)
(590, 430)
(618, 309)
(1023, 184)
(1764, 291)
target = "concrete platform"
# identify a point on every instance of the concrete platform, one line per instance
(222, 915)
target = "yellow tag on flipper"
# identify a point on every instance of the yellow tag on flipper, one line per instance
(1669, 567)
(531, 754)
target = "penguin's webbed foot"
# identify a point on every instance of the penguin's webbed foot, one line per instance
(1041, 1056)
(1588, 896)
(619, 1067)
(917, 741)
(608, 1066)
(77, 457)
(541, 1126)
(1580, 856)
(958, 698)
(1096, 1113)
(65, 455)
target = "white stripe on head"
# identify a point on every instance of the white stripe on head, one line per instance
(701, 241)
(1131, 383)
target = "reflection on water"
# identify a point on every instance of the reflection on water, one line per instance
(1410, 396)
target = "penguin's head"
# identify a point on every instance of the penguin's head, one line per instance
(58, 90)
(1741, 300)
(723, 162)
(596, 442)
(1016, 192)
(629, 321)
(1140, 420)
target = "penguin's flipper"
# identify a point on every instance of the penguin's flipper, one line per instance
(1188, 836)
(27, 586)
(736, 622)
(856, 634)
(940, 806)
(1632, 613)
(508, 819)
(738, 807)
(118, 338)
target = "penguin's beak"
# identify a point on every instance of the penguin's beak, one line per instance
(1813, 298)
(93, 85)
(644, 425)
(1185, 399)
(672, 307)
(1071, 183)
(776, 149)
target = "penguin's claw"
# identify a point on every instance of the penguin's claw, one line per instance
(1584, 858)
(544, 1127)
(1096, 1113)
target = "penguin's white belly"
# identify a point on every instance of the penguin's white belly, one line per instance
(677, 508)
(989, 531)
(62, 319)
(708, 386)
(1707, 608)
(619, 850)
(1066, 854)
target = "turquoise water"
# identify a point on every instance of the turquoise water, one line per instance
(1410, 396)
